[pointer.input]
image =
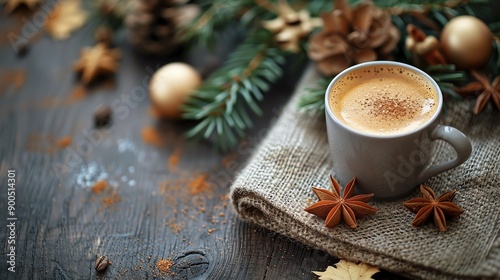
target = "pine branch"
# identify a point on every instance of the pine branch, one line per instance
(447, 76)
(398, 7)
(222, 104)
(109, 13)
(216, 17)
(314, 100)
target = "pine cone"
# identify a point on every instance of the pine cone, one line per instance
(362, 34)
(154, 25)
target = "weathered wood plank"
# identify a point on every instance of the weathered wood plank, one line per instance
(151, 212)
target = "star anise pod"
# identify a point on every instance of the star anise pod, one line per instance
(334, 208)
(428, 206)
(485, 90)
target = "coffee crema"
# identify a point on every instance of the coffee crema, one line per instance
(383, 100)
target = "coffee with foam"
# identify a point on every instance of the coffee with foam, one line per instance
(383, 100)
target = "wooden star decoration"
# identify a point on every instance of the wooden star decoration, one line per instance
(65, 18)
(483, 89)
(97, 61)
(11, 5)
(290, 26)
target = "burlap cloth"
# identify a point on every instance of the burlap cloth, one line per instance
(274, 188)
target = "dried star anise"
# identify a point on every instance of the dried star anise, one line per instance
(428, 206)
(334, 208)
(485, 90)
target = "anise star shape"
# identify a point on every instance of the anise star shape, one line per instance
(486, 91)
(428, 206)
(334, 208)
(97, 61)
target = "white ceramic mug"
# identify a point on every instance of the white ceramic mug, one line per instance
(390, 166)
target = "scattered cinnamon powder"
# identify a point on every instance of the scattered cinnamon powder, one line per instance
(112, 196)
(168, 188)
(64, 142)
(18, 79)
(174, 159)
(150, 135)
(199, 184)
(14, 78)
(111, 200)
(47, 143)
(78, 93)
(40, 143)
(99, 186)
(176, 227)
(226, 160)
(164, 265)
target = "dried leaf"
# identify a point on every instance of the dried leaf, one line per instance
(347, 270)
(65, 18)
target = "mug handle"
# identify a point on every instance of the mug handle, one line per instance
(458, 141)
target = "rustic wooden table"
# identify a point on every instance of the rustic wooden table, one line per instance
(163, 201)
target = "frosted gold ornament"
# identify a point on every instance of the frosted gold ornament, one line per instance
(170, 87)
(466, 41)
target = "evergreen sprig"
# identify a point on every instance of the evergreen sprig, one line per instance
(215, 18)
(450, 7)
(314, 100)
(222, 105)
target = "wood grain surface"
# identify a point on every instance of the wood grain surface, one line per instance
(162, 202)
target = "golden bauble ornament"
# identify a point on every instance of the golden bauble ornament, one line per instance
(170, 86)
(466, 42)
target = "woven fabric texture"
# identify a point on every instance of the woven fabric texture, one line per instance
(274, 188)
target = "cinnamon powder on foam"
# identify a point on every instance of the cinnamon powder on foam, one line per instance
(383, 100)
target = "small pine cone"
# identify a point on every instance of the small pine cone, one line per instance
(351, 36)
(154, 25)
